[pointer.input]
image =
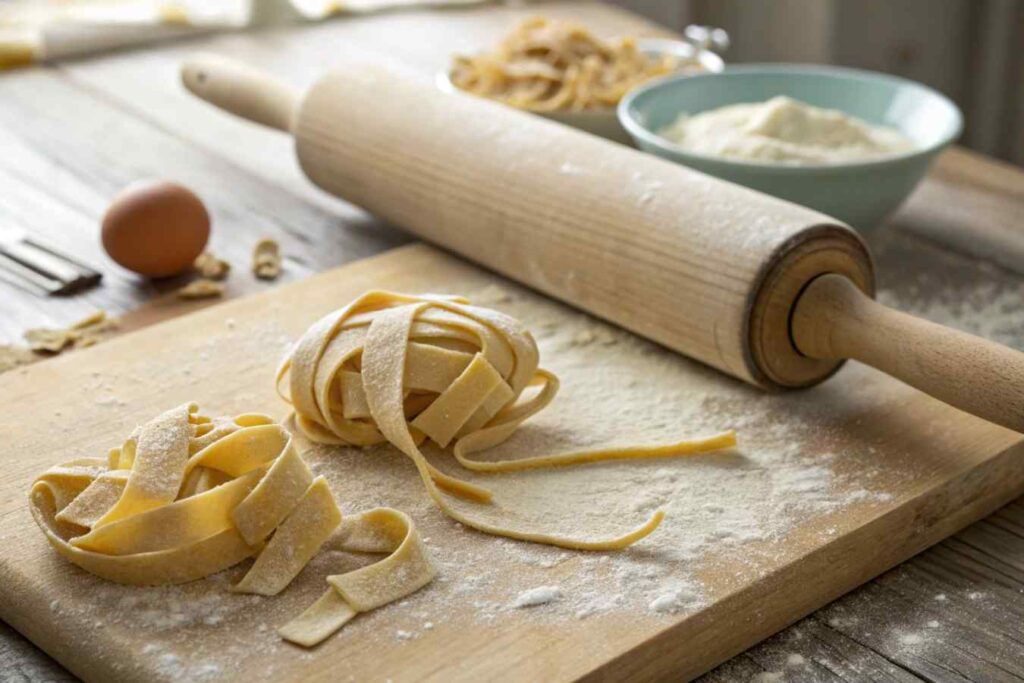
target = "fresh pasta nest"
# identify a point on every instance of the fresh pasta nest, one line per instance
(410, 369)
(187, 496)
(547, 66)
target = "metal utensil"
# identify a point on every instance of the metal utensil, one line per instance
(42, 269)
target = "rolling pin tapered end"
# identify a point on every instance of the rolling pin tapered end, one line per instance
(240, 90)
(834, 319)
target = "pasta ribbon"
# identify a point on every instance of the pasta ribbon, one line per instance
(381, 530)
(405, 369)
(547, 66)
(187, 496)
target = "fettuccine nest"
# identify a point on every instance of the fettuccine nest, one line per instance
(405, 369)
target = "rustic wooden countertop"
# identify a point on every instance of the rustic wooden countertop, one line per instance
(71, 136)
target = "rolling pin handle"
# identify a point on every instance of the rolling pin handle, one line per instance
(240, 89)
(833, 319)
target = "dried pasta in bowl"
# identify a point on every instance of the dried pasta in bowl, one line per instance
(549, 66)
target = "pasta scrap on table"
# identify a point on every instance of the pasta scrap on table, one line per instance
(187, 496)
(86, 332)
(211, 267)
(266, 259)
(406, 369)
(201, 288)
(545, 66)
(43, 342)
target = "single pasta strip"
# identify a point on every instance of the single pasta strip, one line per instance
(294, 543)
(463, 392)
(688, 447)
(273, 498)
(93, 502)
(320, 621)
(381, 530)
(157, 468)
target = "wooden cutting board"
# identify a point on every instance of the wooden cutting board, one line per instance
(873, 472)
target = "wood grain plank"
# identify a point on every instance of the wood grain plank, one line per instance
(134, 120)
(146, 83)
(962, 188)
(954, 613)
(810, 652)
(60, 172)
(22, 662)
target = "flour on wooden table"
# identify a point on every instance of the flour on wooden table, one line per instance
(990, 309)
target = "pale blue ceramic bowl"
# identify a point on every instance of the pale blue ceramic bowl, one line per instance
(861, 193)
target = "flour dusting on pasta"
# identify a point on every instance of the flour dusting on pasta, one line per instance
(416, 370)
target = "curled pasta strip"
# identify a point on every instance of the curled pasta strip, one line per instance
(187, 496)
(404, 369)
(381, 530)
(548, 66)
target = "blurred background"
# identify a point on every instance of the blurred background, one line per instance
(968, 49)
(972, 50)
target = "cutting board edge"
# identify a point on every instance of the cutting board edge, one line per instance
(892, 531)
(33, 627)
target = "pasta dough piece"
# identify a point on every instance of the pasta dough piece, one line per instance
(547, 66)
(210, 267)
(86, 332)
(266, 259)
(201, 288)
(186, 496)
(400, 368)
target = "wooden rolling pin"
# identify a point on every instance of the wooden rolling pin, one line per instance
(767, 291)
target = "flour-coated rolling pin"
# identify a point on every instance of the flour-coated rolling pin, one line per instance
(767, 291)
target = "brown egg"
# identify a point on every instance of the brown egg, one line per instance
(155, 228)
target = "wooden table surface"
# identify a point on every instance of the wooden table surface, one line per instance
(71, 136)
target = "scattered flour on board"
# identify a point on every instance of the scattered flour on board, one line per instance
(675, 600)
(534, 597)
